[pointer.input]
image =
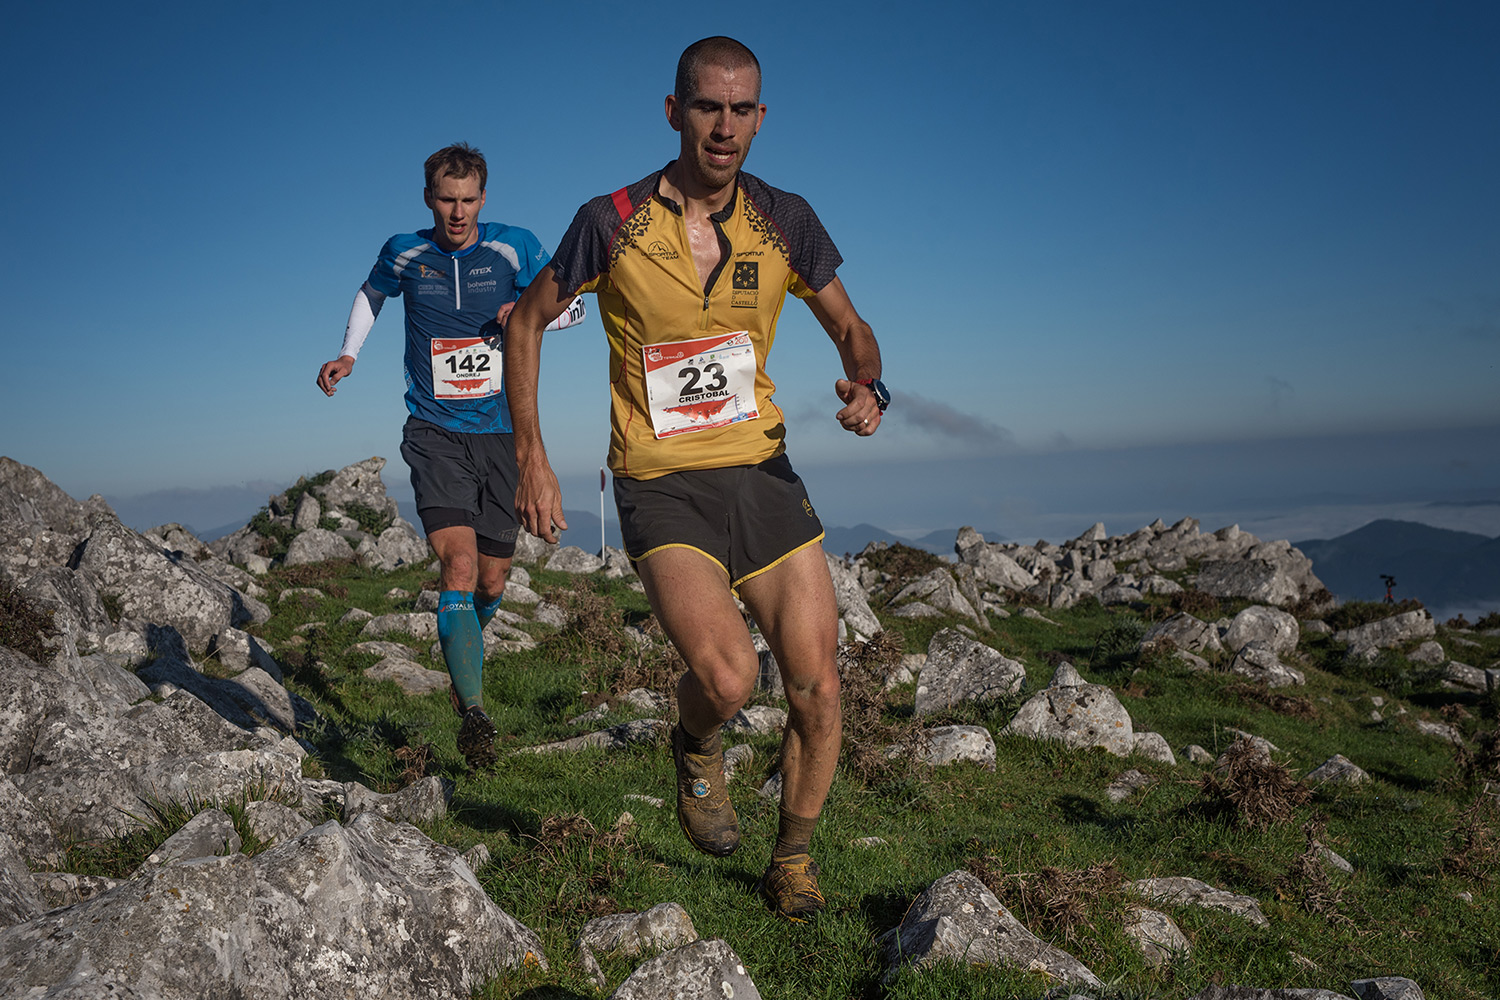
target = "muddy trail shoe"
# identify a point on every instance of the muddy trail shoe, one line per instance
(703, 807)
(791, 888)
(476, 739)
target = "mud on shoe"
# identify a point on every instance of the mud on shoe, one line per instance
(476, 739)
(703, 808)
(790, 888)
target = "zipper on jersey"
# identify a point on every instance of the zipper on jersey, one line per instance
(457, 298)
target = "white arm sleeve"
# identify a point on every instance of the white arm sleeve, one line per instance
(575, 314)
(367, 303)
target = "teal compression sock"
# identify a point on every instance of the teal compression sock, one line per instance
(487, 611)
(463, 646)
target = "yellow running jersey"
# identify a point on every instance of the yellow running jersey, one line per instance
(687, 366)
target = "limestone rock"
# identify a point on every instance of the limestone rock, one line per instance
(960, 669)
(1337, 770)
(1257, 660)
(373, 908)
(938, 590)
(703, 970)
(1387, 988)
(423, 801)
(854, 607)
(317, 545)
(1185, 632)
(666, 925)
(627, 734)
(397, 546)
(274, 823)
(308, 513)
(1127, 784)
(409, 676)
(150, 586)
(572, 559)
(1276, 628)
(942, 745)
(1183, 891)
(417, 624)
(1158, 936)
(1365, 641)
(956, 919)
(1153, 746)
(207, 834)
(760, 719)
(1080, 716)
(19, 899)
(40, 525)
(358, 484)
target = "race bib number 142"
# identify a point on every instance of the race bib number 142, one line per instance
(465, 369)
(693, 385)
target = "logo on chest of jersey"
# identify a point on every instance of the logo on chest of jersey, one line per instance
(660, 251)
(481, 270)
(745, 292)
(430, 272)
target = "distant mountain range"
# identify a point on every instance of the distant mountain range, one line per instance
(1446, 570)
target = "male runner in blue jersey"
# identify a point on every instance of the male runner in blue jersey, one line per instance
(460, 279)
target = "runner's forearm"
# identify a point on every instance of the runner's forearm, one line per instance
(367, 303)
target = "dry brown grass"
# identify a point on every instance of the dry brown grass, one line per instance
(1281, 704)
(863, 668)
(573, 845)
(417, 761)
(1251, 788)
(1307, 883)
(1473, 851)
(1056, 903)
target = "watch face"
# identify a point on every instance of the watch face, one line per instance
(882, 395)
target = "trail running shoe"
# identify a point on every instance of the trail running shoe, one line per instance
(791, 888)
(476, 739)
(703, 807)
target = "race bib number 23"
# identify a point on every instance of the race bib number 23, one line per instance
(465, 369)
(693, 385)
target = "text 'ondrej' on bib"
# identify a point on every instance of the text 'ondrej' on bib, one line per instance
(694, 385)
(468, 368)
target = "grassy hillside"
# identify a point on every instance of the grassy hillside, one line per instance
(1422, 901)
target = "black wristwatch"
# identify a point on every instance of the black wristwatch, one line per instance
(882, 394)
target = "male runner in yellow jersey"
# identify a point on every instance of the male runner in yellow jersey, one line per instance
(691, 265)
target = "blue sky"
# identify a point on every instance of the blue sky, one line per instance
(1095, 240)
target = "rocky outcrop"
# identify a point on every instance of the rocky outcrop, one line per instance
(1077, 714)
(956, 919)
(960, 669)
(372, 908)
(1233, 563)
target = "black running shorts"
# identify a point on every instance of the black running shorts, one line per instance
(746, 518)
(464, 479)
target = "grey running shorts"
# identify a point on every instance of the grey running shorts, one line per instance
(464, 479)
(746, 518)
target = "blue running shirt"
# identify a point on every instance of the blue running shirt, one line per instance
(453, 355)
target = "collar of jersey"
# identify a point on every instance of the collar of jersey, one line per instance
(722, 215)
(430, 235)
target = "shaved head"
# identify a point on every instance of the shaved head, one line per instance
(718, 50)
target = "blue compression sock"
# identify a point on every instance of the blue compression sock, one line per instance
(487, 611)
(463, 647)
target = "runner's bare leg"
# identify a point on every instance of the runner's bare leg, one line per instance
(689, 594)
(795, 607)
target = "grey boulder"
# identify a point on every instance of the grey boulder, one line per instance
(957, 919)
(703, 970)
(960, 669)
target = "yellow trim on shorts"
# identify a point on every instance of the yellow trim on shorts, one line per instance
(690, 548)
(748, 576)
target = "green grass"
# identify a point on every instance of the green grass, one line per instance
(559, 859)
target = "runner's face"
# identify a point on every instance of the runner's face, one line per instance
(718, 123)
(455, 204)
